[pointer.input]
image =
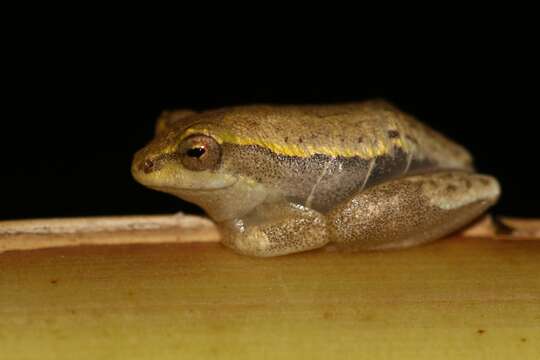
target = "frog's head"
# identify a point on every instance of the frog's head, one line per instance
(189, 162)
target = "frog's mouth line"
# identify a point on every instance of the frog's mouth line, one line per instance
(169, 189)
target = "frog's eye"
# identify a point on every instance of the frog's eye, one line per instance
(200, 152)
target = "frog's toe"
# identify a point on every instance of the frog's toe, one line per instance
(300, 231)
(253, 242)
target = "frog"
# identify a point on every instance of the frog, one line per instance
(279, 179)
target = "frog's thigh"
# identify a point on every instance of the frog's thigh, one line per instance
(411, 210)
(275, 229)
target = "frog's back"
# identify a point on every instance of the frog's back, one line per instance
(366, 130)
(320, 155)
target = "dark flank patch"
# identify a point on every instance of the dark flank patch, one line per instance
(300, 140)
(286, 139)
(337, 178)
(392, 166)
(295, 177)
(387, 167)
(360, 139)
(393, 134)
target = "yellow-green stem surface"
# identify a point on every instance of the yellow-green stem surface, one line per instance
(457, 299)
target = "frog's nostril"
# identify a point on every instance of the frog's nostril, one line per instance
(147, 166)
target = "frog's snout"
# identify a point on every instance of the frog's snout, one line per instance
(145, 163)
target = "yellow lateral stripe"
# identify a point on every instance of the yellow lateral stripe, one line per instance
(365, 152)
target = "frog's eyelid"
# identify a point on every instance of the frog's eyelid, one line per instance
(198, 128)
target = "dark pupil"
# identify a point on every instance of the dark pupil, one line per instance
(196, 152)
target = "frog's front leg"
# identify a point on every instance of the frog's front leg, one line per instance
(411, 210)
(275, 229)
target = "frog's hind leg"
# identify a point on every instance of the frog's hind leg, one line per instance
(411, 210)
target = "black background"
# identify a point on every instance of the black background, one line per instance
(76, 110)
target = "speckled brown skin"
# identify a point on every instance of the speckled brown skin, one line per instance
(294, 178)
(411, 210)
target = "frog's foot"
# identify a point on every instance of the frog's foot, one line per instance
(275, 229)
(411, 210)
